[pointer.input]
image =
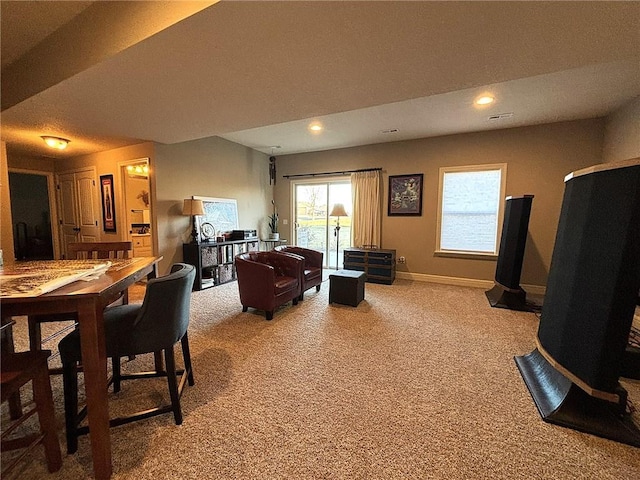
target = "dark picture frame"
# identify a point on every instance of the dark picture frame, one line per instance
(405, 195)
(108, 203)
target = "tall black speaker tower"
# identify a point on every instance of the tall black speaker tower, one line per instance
(589, 305)
(507, 292)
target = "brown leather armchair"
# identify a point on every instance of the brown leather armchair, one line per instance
(267, 280)
(313, 260)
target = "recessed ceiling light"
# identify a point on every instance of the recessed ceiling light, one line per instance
(56, 142)
(484, 100)
(315, 127)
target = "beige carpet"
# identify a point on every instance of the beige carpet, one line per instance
(417, 382)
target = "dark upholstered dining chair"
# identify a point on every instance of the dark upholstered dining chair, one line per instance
(156, 325)
(78, 251)
(16, 370)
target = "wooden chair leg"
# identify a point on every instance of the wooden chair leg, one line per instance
(35, 335)
(7, 345)
(186, 355)
(172, 380)
(46, 415)
(15, 406)
(117, 374)
(158, 361)
(70, 386)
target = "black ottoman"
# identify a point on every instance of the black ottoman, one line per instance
(347, 287)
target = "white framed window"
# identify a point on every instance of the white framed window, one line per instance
(470, 209)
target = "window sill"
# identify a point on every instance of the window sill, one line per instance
(467, 255)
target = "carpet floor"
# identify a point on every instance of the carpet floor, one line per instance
(417, 382)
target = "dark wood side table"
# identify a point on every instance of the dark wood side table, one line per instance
(347, 287)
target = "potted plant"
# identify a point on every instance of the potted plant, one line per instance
(273, 223)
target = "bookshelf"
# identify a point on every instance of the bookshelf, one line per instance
(214, 260)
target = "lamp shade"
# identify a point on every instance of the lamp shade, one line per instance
(192, 207)
(338, 211)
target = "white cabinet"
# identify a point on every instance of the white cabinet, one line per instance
(142, 245)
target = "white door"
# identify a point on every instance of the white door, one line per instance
(79, 206)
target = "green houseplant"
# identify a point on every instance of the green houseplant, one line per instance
(273, 223)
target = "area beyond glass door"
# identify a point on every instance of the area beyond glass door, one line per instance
(313, 226)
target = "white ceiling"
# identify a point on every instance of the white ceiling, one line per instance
(257, 73)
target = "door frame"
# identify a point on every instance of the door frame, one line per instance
(53, 204)
(294, 204)
(122, 210)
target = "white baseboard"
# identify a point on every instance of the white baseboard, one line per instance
(463, 282)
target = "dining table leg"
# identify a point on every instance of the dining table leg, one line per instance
(94, 364)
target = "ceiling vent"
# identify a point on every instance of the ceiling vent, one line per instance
(500, 116)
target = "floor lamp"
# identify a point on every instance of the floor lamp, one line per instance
(192, 208)
(337, 211)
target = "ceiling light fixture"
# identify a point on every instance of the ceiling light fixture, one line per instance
(56, 142)
(141, 169)
(315, 127)
(484, 100)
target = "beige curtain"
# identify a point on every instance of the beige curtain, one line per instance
(367, 216)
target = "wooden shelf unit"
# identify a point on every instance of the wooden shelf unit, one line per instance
(378, 264)
(214, 260)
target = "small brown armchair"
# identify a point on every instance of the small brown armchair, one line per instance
(267, 280)
(312, 272)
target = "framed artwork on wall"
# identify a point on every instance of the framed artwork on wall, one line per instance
(220, 213)
(108, 203)
(405, 195)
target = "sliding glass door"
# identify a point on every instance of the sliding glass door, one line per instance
(314, 228)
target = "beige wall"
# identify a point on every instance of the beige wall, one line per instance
(6, 224)
(107, 163)
(134, 187)
(622, 133)
(210, 167)
(538, 158)
(32, 163)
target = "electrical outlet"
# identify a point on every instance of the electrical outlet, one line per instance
(285, 221)
(402, 260)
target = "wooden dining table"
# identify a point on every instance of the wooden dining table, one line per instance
(88, 299)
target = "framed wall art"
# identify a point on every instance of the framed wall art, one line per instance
(108, 203)
(220, 213)
(405, 195)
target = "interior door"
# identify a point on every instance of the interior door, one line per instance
(78, 206)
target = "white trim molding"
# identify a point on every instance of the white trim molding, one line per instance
(464, 282)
